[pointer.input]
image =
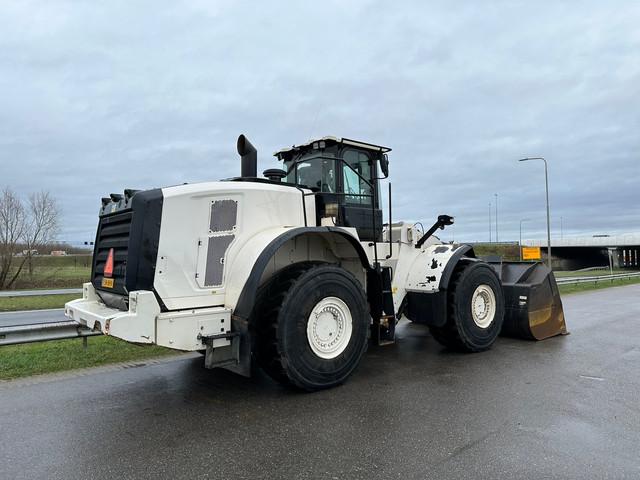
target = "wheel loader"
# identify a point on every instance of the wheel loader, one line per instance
(296, 272)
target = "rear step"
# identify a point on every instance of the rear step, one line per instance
(384, 330)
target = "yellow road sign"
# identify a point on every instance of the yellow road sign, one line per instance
(531, 253)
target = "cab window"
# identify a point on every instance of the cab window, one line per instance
(314, 172)
(356, 190)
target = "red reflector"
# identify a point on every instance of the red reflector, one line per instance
(108, 267)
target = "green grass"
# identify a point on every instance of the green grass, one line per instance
(54, 272)
(39, 302)
(38, 358)
(48, 357)
(583, 287)
(53, 277)
(66, 261)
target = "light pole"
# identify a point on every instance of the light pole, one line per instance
(546, 185)
(561, 231)
(520, 243)
(496, 195)
(490, 226)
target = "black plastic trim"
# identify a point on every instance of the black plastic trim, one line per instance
(144, 239)
(139, 267)
(427, 308)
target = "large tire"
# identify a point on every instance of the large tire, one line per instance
(473, 285)
(312, 326)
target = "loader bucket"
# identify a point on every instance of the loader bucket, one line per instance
(533, 308)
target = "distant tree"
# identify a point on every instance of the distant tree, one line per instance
(30, 227)
(12, 226)
(42, 223)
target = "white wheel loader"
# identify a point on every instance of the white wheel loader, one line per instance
(296, 272)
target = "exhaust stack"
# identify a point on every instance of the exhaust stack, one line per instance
(248, 157)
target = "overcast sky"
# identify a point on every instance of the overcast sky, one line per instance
(98, 97)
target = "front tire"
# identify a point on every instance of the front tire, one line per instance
(475, 309)
(312, 324)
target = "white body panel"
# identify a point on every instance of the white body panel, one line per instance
(176, 329)
(254, 214)
(413, 269)
(264, 211)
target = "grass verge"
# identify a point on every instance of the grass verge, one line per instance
(583, 287)
(53, 272)
(48, 357)
(37, 302)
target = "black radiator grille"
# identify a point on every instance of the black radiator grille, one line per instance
(113, 232)
(131, 227)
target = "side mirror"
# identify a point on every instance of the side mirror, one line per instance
(384, 165)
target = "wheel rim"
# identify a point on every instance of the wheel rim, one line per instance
(329, 327)
(483, 306)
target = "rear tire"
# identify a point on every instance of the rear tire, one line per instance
(475, 309)
(312, 326)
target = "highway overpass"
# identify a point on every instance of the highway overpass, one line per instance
(572, 253)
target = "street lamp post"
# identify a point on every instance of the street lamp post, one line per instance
(490, 225)
(496, 195)
(546, 184)
(520, 243)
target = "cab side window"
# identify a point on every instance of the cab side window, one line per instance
(356, 190)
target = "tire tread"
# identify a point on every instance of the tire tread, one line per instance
(452, 335)
(274, 303)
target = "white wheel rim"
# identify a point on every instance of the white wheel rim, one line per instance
(329, 327)
(483, 306)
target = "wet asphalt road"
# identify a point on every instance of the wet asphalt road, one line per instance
(564, 408)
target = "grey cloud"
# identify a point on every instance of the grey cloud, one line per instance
(101, 97)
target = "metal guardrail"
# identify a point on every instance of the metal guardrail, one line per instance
(596, 279)
(42, 332)
(35, 293)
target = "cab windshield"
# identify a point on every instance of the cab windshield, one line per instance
(351, 176)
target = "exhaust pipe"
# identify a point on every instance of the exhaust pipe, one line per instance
(248, 157)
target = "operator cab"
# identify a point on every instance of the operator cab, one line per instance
(343, 174)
